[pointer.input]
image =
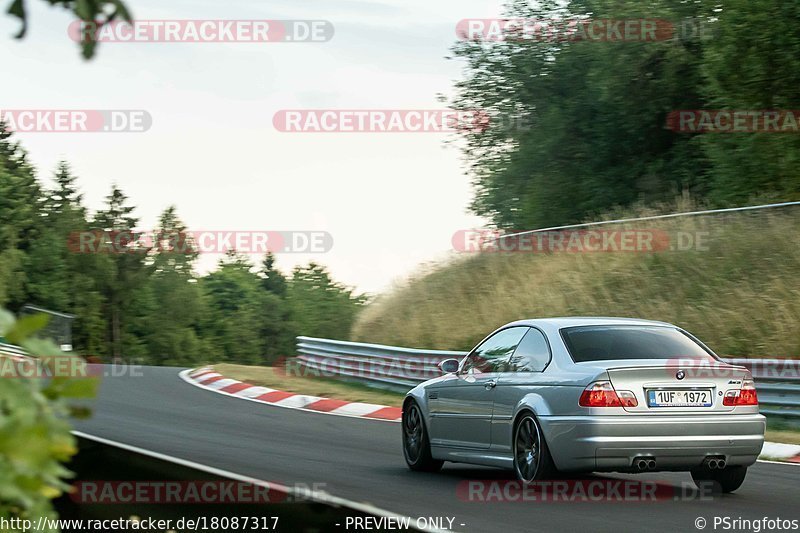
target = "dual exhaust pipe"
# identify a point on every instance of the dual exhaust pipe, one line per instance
(648, 464)
(644, 464)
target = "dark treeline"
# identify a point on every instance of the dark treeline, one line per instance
(150, 305)
(597, 111)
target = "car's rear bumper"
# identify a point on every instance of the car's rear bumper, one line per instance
(679, 442)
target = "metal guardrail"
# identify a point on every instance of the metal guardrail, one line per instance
(374, 364)
(777, 380)
(9, 350)
(653, 217)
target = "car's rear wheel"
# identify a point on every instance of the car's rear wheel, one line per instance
(532, 460)
(726, 480)
(416, 446)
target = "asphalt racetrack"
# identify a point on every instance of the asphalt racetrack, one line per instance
(361, 460)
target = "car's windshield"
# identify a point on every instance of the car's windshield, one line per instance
(599, 343)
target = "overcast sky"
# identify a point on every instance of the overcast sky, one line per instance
(391, 201)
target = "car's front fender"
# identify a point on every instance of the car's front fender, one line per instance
(418, 395)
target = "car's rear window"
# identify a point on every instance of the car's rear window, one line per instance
(601, 343)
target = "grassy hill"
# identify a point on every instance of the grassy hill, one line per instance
(739, 290)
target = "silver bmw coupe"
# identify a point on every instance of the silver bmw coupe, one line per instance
(588, 394)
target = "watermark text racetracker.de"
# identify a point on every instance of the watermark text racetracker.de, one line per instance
(181, 492)
(199, 242)
(579, 241)
(606, 30)
(76, 120)
(597, 490)
(202, 31)
(706, 367)
(65, 366)
(394, 121)
(420, 367)
(734, 121)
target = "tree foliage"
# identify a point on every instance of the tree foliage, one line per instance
(100, 12)
(596, 111)
(150, 304)
(35, 436)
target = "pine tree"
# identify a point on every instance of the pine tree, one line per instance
(124, 292)
(272, 280)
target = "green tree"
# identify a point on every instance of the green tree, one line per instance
(595, 113)
(272, 279)
(49, 280)
(276, 313)
(140, 300)
(320, 306)
(21, 202)
(236, 299)
(62, 279)
(175, 325)
(753, 63)
(124, 282)
(100, 12)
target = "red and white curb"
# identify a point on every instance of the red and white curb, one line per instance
(208, 379)
(782, 452)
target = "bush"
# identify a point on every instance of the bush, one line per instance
(35, 436)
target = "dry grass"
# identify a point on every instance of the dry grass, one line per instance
(784, 436)
(740, 294)
(274, 378)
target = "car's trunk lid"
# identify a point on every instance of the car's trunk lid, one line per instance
(676, 386)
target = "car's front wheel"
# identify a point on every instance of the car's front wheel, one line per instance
(416, 446)
(532, 460)
(727, 480)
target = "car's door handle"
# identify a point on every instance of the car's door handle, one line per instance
(491, 384)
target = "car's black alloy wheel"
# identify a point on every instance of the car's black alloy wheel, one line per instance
(527, 449)
(416, 446)
(532, 459)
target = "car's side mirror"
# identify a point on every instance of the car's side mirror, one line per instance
(449, 366)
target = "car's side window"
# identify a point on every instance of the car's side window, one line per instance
(532, 353)
(493, 354)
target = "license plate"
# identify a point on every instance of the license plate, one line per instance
(679, 398)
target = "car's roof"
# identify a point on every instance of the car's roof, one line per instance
(568, 321)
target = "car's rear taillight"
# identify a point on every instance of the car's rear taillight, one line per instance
(627, 398)
(602, 394)
(747, 395)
